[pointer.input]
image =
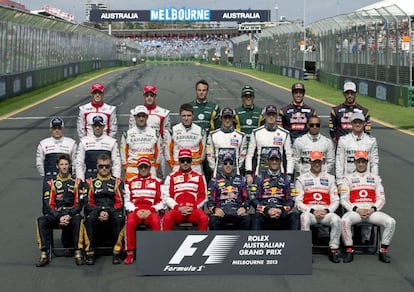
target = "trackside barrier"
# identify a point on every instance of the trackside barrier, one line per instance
(16, 84)
(410, 96)
(224, 252)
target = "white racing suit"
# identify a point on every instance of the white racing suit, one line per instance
(159, 120)
(140, 142)
(304, 145)
(364, 190)
(88, 111)
(90, 147)
(192, 138)
(262, 141)
(319, 192)
(49, 150)
(222, 141)
(347, 146)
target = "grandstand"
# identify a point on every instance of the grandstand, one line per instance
(372, 46)
(405, 5)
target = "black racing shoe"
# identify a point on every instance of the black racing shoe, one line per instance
(349, 256)
(78, 258)
(43, 260)
(384, 257)
(90, 259)
(334, 257)
(116, 259)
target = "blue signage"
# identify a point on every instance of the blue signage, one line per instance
(183, 14)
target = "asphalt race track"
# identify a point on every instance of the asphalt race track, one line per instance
(20, 195)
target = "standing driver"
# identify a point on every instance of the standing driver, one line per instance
(340, 119)
(186, 134)
(263, 140)
(97, 107)
(313, 141)
(49, 149)
(93, 145)
(140, 141)
(294, 117)
(206, 115)
(158, 119)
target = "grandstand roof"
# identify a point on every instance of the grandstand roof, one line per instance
(405, 5)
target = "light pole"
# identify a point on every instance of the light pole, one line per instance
(277, 11)
(304, 39)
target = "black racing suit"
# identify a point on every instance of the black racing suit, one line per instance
(340, 120)
(294, 118)
(60, 198)
(104, 194)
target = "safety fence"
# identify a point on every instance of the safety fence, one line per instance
(36, 51)
(371, 47)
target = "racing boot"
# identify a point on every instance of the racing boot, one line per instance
(116, 258)
(349, 255)
(90, 258)
(334, 256)
(43, 260)
(78, 257)
(129, 257)
(384, 257)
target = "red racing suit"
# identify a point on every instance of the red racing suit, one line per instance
(141, 193)
(90, 110)
(185, 189)
(319, 192)
(364, 190)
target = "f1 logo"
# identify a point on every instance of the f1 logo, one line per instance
(216, 251)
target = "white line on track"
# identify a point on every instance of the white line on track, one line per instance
(73, 117)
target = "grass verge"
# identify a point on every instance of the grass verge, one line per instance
(400, 117)
(10, 105)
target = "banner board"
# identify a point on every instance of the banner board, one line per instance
(183, 14)
(224, 252)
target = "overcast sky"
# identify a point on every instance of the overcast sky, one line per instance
(315, 9)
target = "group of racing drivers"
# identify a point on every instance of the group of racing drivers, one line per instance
(244, 168)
